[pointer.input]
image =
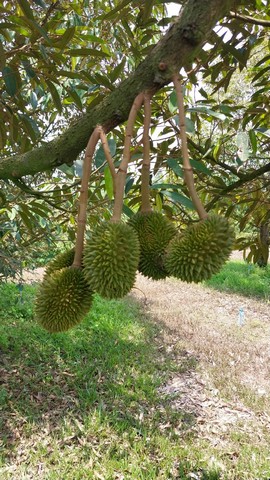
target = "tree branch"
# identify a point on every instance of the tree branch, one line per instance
(122, 170)
(81, 220)
(145, 175)
(34, 193)
(239, 183)
(248, 19)
(178, 47)
(188, 171)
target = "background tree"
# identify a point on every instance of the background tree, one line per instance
(68, 66)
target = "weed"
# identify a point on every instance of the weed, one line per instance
(244, 279)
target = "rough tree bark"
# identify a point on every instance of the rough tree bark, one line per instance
(177, 48)
(265, 243)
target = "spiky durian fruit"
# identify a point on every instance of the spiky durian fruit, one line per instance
(201, 251)
(155, 232)
(62, 260)
(111, 259)
(64, 298)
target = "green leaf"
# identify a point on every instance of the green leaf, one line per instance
(165, 186)
(69, 74)
(115, 74)
(30, 127)
(26, 9)
(2, 56)
(10, 80)
(14, 128)
(65, 38)
(35, 208)
(207, 111)
(75, 97)
(203, 93)
(103, 80)
(264, 132)
(129, 184)
(33, 100)
(190, 127)
(41, 206)
(55, 95)
(180, 199)
(127, 211)
(26, 217)
(261, 73)
(199, 165)
(40, 3)
(100, 155)
(174, 165)
(253, 141)
(159, 202)
(216, 151)
(117, 9)
(39, 30)
(173, 102)
(108, 182)
(3, 137)
(86, 52)
(68, 170)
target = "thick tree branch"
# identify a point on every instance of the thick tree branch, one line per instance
(178, 47)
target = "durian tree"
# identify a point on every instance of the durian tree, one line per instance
(69, 66)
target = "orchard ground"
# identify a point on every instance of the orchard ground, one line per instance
(188, 399)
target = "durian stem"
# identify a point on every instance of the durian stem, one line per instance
(145, 176)
(81, 220)
(108, 156)
(122, 171)
(188, 171)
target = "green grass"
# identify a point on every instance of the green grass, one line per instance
(85, 404)
(244, 279)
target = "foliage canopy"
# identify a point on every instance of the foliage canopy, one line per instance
(69, 65)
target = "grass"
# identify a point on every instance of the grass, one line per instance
(86, 404)
(244, 279)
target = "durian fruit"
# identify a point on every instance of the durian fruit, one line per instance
(155, 232)
(111, 259)
(62, 260)
(63, 299)
(201, 251)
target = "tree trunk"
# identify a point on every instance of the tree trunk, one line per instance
(264, 244)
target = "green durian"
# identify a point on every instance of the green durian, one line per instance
(201, 251)
(62, 260)
(155, 232)
(111, 259)
(63, 299)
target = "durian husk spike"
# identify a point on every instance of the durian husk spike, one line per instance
(63, 300)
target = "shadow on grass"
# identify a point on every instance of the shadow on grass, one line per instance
(242, 278)
(94, 387)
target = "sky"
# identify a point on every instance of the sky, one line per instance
(173, 8)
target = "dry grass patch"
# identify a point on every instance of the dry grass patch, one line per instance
(229, 391)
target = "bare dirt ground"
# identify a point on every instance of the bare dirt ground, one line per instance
(229, 388)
